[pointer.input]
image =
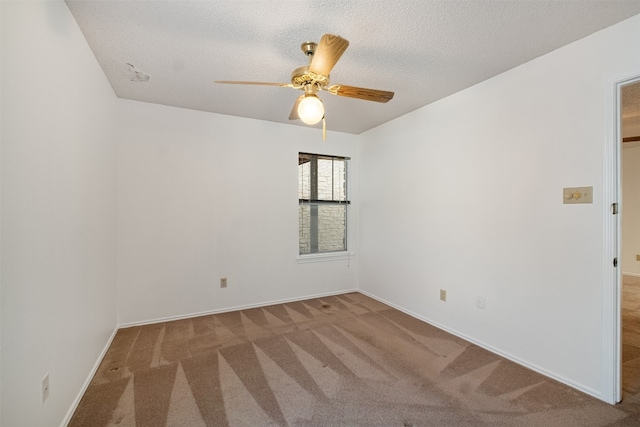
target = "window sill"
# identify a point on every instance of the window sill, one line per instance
(324, 257)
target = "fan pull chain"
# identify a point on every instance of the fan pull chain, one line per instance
(324, 129)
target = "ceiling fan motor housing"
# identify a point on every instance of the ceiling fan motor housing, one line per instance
(302, 77)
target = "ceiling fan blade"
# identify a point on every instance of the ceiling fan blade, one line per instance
(235, 82)
(361, 93)
(329, 50)
(294, 110)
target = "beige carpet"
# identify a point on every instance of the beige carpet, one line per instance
(337, 361)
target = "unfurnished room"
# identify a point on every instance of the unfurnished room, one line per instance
(463, 250)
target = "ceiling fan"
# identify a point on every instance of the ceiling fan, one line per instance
(314, 77)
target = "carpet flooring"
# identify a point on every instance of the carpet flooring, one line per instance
(346, 360)
(630, 337)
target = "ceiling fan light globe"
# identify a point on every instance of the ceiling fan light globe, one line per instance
(310, 110)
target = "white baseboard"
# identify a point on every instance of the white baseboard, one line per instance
(76, 401)
(235, 308)
(494, 350)
(631, 274)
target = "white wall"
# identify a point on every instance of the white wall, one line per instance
(203, 196)
(58, 211)
(630, 208)
(631, 127)
(0, 215)
(631, 124)
(480, 212)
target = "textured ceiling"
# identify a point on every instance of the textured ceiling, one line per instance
(631, 101)
(421, 50)
(631, 110)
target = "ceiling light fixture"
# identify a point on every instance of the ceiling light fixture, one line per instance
(310, 109)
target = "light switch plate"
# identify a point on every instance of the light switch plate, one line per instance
(572, 195)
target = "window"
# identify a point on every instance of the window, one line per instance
(322, 203)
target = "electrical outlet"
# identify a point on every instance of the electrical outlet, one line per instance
(223, 282)
(480, 302)
(443, 295)
(45, 388)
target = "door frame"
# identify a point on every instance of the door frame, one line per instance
(612, 229)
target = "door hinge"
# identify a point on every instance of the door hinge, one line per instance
(614, 208)
(615, 262)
